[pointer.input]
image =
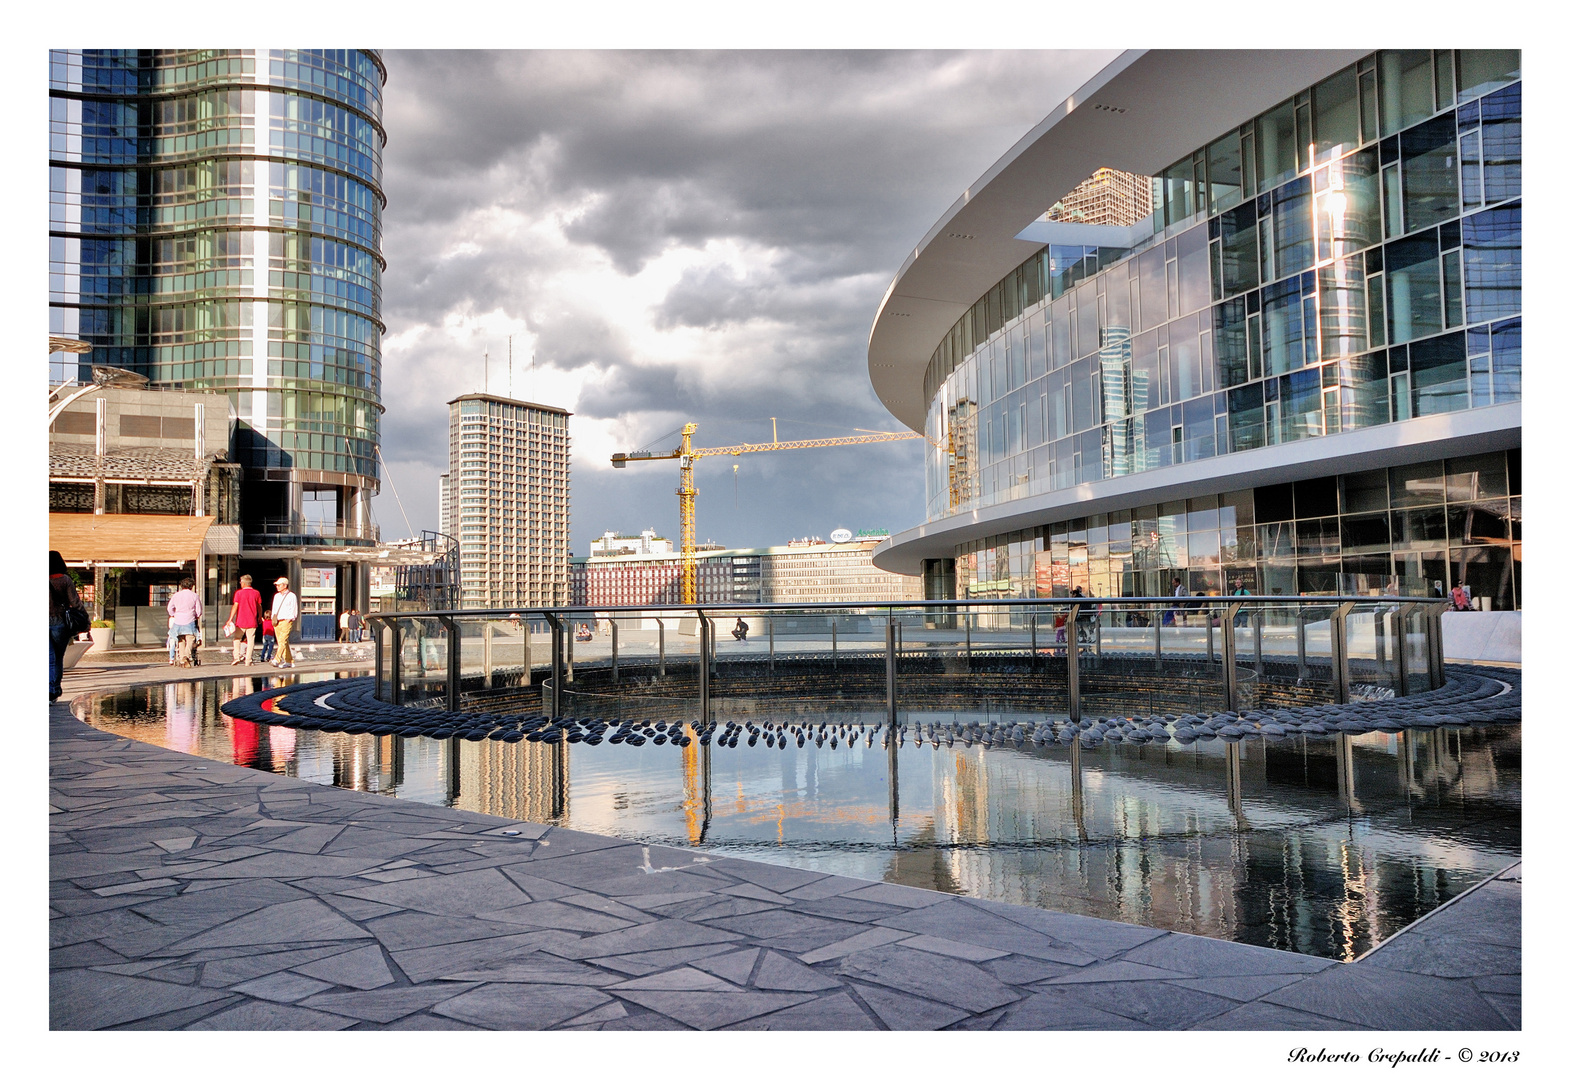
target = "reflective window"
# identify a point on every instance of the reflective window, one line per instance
(1336, 114)
(1492, 245)
(1501, 116)
(1483, 70)
(1407, 93)
(1429, 173)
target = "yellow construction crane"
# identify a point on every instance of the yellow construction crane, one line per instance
(687, 492)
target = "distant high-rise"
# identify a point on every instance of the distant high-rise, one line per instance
(215, 224)
(508, 504)
(444, 506)
(1106, 197)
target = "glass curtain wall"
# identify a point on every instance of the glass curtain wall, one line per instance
(1416, 531)
(215, 224)
(1349, 258)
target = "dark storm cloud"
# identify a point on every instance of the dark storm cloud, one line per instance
(524, 187)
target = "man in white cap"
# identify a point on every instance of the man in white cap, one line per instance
(286, 609)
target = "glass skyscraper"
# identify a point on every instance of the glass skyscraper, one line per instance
(215, 224)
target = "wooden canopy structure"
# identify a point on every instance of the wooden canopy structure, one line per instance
(128, 539)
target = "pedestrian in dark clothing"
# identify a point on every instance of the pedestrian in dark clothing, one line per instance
(62, 597)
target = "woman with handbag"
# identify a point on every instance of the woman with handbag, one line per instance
(67, 619)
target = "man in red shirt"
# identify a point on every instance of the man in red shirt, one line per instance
(246, 615)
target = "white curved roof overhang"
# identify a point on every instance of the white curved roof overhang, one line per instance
(1427, 438)
(1139, 114)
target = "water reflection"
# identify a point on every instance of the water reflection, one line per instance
(1319, 847)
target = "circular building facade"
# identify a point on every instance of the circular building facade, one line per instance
(1299, 372)
(215, 225)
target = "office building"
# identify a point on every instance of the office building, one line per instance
(1300, 374)
(215, 225)
(801, 572)
(645, 543)
(508, 470)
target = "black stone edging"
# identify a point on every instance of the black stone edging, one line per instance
(1471, 695)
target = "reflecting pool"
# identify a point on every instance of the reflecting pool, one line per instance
(1317, 845)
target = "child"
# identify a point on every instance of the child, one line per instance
(269, 642)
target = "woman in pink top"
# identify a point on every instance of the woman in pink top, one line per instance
(185, 612)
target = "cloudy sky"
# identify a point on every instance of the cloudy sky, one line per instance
(677, 236)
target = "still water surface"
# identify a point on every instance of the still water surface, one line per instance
(1317, 846)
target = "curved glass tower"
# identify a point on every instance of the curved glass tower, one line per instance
(1302, 374)
(215, 224)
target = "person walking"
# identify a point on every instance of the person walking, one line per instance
(62, 598)
(343, 626)
(1180, 617)
(185, 613)
(1242, 618)
(269, 642)
(355, 623)
(286, 609)
(245, 613)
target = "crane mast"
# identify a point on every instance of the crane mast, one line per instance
(687, 491)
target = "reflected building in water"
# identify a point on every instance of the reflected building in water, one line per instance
(1322, 847)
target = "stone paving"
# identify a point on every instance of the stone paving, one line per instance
(189, 894)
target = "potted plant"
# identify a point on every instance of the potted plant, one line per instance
(103, 633)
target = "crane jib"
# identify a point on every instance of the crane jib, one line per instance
(687, 493)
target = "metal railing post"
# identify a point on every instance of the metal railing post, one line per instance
(968, 640)
(771, 621)
(571, 634)
(485, 653)
(397, 665)
(660, 625)
(1072, 655)
(1260, 641)
(529, 665)
(1033, 644)
(1341, 672)
(1399, 642)
(1303, 642)
(554, 708)
(616, 673)
(1210, 645)
(889, 669)
(454, 660)
(1156, 623)
(703, 670)
(1230, 657)
(834, 643)
(1435, 638)
(380, 692)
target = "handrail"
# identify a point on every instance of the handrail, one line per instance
(1220, 611)
(1193, 603)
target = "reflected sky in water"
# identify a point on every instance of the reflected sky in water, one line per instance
(1322, 847)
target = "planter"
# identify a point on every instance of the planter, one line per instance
(103, 638)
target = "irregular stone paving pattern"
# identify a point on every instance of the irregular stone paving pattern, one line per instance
(190, 894)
